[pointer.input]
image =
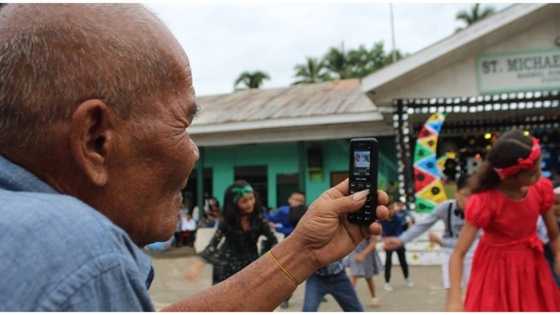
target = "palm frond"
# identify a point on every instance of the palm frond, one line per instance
(475, 14)
(251, 80)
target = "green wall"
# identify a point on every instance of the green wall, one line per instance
(335, 159)
(282, 158)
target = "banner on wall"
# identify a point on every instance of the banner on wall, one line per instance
(522, 71)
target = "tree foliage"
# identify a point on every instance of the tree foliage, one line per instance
(336, 61)
(250, 80)
(338, 64)
(312, 71)
(475, 14)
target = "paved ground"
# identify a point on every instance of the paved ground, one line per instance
(427, 294)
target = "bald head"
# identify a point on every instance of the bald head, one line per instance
(53, 57)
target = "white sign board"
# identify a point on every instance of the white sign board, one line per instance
(518, 71)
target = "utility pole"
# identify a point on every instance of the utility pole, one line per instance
(394, 48)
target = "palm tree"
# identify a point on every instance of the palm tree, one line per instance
(356, 63)
(475, 14)
(337, 62)
(365, 61)
(312, 71)
(251, 80)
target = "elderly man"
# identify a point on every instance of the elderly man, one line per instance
(95, 102)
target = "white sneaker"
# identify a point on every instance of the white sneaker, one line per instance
(374, 302)
(409, 283)
(388, 287)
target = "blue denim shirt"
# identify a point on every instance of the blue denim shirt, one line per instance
(59, 254)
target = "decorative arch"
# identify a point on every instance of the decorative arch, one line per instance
(428, 185)
(535, 111)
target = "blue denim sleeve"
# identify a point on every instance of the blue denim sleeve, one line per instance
(111, 283)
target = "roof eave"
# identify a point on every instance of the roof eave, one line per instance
(371, 116)
(294, 134)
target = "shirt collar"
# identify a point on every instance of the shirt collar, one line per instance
(15, 178)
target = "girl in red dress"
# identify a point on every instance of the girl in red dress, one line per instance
(509, 271)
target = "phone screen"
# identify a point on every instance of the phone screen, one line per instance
(362, 160)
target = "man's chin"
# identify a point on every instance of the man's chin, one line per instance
(157, 235)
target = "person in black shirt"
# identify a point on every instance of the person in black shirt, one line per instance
(393, 228)
(234, 245)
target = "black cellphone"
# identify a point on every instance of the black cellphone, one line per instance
(364, 157)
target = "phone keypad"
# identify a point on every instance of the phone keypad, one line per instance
(367, 213)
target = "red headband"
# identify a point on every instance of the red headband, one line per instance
(522, 164)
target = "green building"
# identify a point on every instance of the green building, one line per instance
(286, 139)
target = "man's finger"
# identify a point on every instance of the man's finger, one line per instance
(355, 202)
(382, 197)
(342, 189)
(375, 228)
(339, 190)
(382, 213)
(350, 203)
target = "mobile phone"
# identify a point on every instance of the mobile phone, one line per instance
(364, 153)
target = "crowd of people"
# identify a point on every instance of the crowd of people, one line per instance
(241, 223)
(95, 105)
(485, 235)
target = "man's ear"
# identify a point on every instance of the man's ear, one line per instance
(92, 139)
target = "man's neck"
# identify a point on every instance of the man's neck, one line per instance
(51, 168)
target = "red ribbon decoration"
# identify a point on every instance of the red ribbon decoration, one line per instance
(522, 164)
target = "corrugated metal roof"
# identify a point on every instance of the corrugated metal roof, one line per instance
(299, 101)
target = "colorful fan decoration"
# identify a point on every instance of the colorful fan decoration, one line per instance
(428, 183)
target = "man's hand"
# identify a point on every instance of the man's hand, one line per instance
(322, 236)
(325, 231)
(392, 243)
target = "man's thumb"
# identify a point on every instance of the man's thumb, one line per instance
(350, 203)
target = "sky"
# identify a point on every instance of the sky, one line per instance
(223, 39)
